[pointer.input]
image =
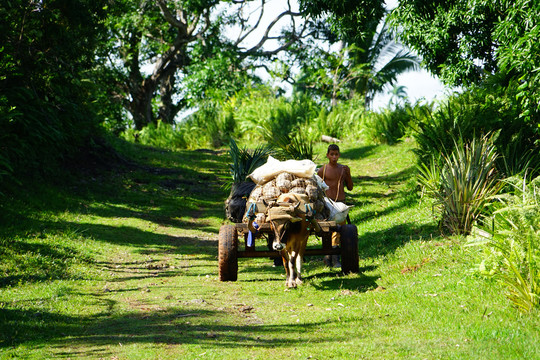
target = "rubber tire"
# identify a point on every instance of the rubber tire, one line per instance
(228, 253)
(349, 249)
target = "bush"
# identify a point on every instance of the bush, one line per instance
(160, 135)
(389, 126)
(464, 185)
(341, 121)
(245, 161)
(474, 113)
(511, 243)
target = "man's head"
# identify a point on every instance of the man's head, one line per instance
(332, 147)
(333, 153)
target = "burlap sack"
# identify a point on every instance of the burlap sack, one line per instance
(256, 194)
(283, 181)
(298, 190)
(270, 190)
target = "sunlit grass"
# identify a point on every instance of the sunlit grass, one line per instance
(130, 272)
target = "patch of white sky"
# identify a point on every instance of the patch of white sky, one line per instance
(420, 85)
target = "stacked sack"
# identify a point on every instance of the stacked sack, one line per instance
(286, 182)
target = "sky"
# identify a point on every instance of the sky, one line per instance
(420, 85)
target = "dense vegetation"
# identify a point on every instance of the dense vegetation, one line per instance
(109, 111)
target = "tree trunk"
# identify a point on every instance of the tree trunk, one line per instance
(140, 105)
(166, 91)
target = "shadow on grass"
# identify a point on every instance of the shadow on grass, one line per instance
(40, 258)
(140, 191)
(358, 153)
(331, 279)
(360, 283)
(92, 336)
(376, 243)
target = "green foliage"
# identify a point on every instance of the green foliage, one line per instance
(451, 36)
(158, 135)
(363, 68)
(293, 146)
(474, 113)
(349, 19)
(464, 185)
(245, 161)
(211, 125)
(388, 126)
(46, 107)
(518, 51)
(282, 128)
(342, 120)
(511, 243)
(465, 41)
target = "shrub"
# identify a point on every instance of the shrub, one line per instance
(341, 121)
(160, 135)
(464, 184)
(389, 126)
(475, 113)
(511, 243)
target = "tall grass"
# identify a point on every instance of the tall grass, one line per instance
(341, 121)
(511, 243)
(464, 185)
(158, 135)
(388, 126)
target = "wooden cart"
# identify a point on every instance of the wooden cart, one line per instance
(230, 249)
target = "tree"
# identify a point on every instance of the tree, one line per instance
(362, 66)
(454, 38)
(383, 60)
(177, 40)
(47, 54)
(398, 95)
(466, 41)
(349, 19)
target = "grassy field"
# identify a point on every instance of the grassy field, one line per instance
(120, 262)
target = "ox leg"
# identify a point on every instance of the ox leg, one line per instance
(299, 270)
(292, 268)
(299, 260)
(285, 259)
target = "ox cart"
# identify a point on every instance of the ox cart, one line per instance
(231, 249)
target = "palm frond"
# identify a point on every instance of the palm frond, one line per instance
(245, 161)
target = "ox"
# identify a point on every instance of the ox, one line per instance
(291, 220)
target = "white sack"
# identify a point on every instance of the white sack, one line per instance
(273, 167)
(338, 210)
(321, 183)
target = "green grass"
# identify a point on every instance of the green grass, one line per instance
(122, 263)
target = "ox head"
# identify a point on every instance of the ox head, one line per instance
(284, 216)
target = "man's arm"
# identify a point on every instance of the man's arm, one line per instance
(348, 178)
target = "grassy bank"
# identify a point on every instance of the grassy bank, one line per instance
(121, 262)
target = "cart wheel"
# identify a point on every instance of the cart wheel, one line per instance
(227, 253)
(349, 249)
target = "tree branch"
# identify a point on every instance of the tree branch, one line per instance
(243, 37)
(180, 24)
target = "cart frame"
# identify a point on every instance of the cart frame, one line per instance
(229, 248)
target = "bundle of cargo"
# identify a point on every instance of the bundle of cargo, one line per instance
(281, 177)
